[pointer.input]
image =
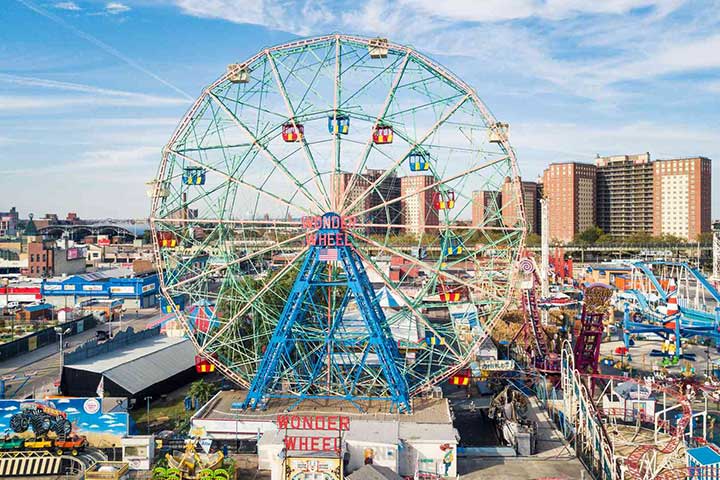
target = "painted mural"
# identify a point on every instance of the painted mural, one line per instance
(81, 416)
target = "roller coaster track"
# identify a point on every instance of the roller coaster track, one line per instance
(640, 462)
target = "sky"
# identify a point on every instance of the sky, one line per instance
(90, 91)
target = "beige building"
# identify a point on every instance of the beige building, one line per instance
(570, 191)
(486, 206)
(625, 194)
(682, 191)
(417, 208)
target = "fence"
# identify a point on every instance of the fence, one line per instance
(45, 337)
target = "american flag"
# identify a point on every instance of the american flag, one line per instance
(328, 254)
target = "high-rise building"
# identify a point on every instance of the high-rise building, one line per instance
(357, 187)
(570, 192)
(486, 206)
(531, 204)
(418, 210)
(625, 194)
(380, 196)
(682, 197)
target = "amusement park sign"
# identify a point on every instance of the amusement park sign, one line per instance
(310, 443)
(331, 230)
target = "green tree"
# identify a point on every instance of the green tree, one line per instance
(589, 236)
(201, 390)
(532, 239)
(705, 238)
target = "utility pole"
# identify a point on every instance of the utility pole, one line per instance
(147, 417)
(544, 256)
(716, 252)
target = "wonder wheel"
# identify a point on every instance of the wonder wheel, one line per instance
(337, 218)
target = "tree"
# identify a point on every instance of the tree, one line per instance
(532, 239)
(201, 391)
(705, 238)
(589, 236)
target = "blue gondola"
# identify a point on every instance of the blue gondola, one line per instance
(452, 245)
(194, 176)
(419, 161)
(339, 124)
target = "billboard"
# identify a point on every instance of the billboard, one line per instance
(103, 430)
(75, 252)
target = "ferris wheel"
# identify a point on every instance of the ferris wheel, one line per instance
(337, 218)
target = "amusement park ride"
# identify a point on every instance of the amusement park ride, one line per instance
(279, 227)
(673, 301)
(303, 198)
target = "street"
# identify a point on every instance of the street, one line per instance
(43, 364)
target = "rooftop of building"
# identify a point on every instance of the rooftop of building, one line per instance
(425, 410)
(139, 365)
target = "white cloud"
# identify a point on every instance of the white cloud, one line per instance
(93, 96)
(115, 8)
(72, 410)
(70, 6)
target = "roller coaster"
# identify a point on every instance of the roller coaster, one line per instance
(615, 445)
(672, 300)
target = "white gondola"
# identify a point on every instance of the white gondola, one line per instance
(499, 132)
(238, 73)
(378, 48)
(157, 189)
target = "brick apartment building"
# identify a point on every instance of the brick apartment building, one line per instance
(570, 191)
(630, 194)
(386, 190)
(486, 208)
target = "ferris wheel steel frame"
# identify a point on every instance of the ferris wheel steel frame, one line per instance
(232, 246)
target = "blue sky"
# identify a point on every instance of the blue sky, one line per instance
(90, 90)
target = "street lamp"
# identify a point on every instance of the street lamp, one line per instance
(62, 333)
(147, 416)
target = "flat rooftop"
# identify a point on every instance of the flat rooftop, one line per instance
(425, 410)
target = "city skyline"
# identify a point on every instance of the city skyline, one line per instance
(87, 107)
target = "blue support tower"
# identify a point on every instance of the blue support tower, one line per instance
(311, 326)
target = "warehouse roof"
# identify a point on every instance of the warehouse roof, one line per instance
(140, 365)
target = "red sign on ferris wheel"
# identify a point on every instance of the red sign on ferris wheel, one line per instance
(328, 230)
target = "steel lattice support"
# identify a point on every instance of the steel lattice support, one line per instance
(347, 361)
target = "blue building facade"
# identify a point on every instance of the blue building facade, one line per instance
(142, 289)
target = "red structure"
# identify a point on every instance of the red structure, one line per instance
(444, 201)
(382, 134)
(203, 365)
(293, 133)
(167, 239)
(587, 346)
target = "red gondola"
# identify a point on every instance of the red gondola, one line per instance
(167, 239)
(461, 378)
(293, 132)
(444, 200)
(382, 134)
(451, 293)
(203, 365)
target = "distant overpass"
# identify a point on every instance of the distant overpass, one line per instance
(624, 250)
(79, 231)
